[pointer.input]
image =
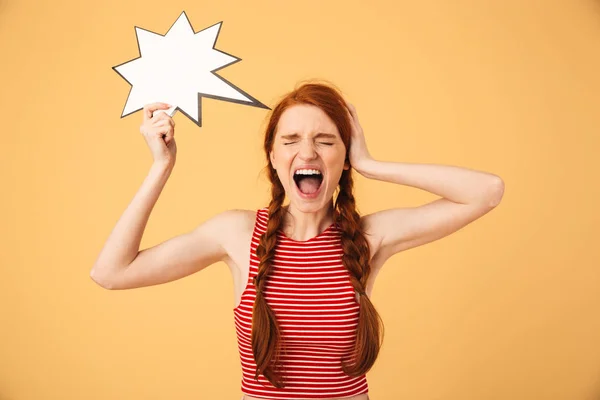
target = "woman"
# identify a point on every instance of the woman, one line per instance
(303, 273)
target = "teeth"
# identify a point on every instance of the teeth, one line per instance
(307, 172)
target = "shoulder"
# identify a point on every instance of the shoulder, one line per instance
(236, 220)
(230, 228)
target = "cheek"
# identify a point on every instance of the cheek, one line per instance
(335, 161)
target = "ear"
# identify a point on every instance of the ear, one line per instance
(346, 165)
(272, 158)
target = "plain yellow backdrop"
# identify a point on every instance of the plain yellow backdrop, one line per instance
(506, 308)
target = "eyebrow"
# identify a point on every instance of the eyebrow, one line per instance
(320, 134)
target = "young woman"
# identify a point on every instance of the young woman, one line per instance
(304, 272)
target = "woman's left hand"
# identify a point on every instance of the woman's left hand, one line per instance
(359, 154)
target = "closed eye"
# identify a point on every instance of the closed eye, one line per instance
(328, 144)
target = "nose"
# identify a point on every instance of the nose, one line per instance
(307, 150)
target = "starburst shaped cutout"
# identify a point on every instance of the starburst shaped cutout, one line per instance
(179, 69)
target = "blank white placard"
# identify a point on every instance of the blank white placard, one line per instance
(179, 69)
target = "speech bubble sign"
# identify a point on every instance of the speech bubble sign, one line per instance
(178, 68)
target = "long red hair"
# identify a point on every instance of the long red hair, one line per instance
(266, 345)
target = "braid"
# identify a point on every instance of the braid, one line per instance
(265, 328)
(369, 332)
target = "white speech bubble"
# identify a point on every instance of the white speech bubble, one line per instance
(179, 69)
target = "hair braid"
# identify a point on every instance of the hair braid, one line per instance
(370, 330)
(266, 336)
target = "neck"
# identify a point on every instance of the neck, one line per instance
(302, 226)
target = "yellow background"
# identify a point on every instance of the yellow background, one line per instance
(506, 308)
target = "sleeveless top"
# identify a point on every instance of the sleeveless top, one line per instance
(315, 304)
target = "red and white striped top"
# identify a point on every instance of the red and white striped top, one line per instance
(310, 292)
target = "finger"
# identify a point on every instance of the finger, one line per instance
(159, 116)
(352, 110)
(355, 115)
(348, 107)
(350, 116)
(164, 131)
(168, 136)
(150, 108)
(164, 122)
(170, 121)
(149, 113)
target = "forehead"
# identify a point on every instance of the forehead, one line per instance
(304, 119)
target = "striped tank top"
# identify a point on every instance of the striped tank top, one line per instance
(310, 292)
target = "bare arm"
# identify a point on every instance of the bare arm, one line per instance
(122, 246)
(120, 264)
(467, 195)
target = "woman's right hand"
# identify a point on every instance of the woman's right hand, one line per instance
(158, 129)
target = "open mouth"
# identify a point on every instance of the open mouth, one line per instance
(308, 181)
